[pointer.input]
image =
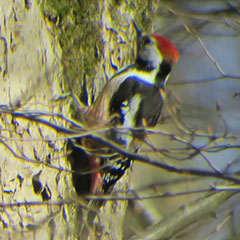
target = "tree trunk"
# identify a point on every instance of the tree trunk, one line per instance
(44, 56)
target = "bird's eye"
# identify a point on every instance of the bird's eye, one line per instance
(146, 40)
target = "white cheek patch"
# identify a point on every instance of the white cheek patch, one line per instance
(154, 55)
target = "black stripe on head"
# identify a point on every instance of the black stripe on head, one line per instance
(144, 65)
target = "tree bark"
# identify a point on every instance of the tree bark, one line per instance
(44, 55)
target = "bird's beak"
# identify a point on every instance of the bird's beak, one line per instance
(139, 32)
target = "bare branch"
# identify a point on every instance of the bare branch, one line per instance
(184, 216)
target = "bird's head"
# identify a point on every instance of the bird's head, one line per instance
(156, 52)
(155, 49)
(167, 49)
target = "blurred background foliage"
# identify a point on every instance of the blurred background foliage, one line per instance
(202, 112)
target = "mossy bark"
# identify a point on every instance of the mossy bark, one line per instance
(47, 50)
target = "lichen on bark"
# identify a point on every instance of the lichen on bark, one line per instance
(69, 41)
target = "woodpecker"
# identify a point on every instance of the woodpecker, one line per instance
(131, 99)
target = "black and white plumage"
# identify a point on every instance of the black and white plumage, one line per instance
(142, 99)
(131, 99)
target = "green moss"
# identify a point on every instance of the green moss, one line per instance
(75, 24)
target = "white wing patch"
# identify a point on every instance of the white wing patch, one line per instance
(129, 110)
